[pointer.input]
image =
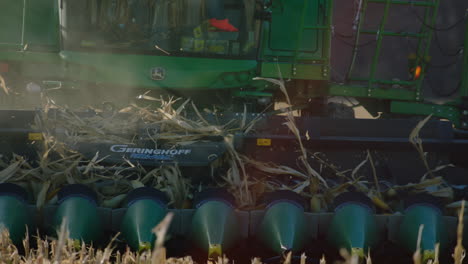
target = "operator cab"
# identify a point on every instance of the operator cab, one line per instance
(159, 27)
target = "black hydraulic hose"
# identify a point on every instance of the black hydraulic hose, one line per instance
(458, 22)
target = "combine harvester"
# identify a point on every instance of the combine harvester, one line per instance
(86, 60)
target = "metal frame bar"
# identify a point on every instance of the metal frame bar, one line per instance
(451, 113)
(23, 26)
(378, 47)
(393, 34)
(301, 31)
(352, 134)
(415, 3)
(424, 37)
(425, 54)
(325, 28)
(357, 38)
(464, 83)
(323, 132)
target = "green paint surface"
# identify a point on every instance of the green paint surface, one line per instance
(434, 230)
(14, 217)
(139, 220)
(82, 218)
(283, 227)
(353, 227)
(214, 223)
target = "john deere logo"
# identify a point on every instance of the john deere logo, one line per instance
(158, 74)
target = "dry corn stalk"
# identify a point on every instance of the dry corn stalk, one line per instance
(459, 253)
(436, 254)
(348, 258)
(315, 177)
(175, 186)
(159, 252)
(417, 258)
(3, 85)
(374, 174)
(417, 143)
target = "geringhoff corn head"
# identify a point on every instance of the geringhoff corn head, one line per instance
(267, 127)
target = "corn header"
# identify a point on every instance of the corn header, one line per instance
(270, 127)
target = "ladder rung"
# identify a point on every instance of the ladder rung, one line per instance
(394, 34)
(414, 3)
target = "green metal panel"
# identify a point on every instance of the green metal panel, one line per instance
(298, 71)
(361, 91)
(286, 26)
(36, 65)
(412, 108)
(41, 24)
(11, 21)
(134, 70)
(449, 112)
(28, 57)
(181, 72)
(298, 35)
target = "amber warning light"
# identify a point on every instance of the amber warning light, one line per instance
(417, 72)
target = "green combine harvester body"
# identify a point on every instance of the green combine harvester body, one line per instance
(57, 43)
(116, 52)
(41, 46)
(83, 49)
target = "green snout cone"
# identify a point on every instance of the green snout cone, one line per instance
(283, 227)
(354, 228)
(215, 227)
(82, 221)
(139, 220)
(14, 217)
(434, 230)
